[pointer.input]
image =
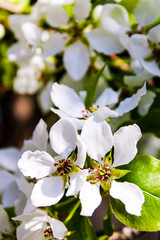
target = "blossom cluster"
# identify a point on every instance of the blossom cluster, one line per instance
(82, 155)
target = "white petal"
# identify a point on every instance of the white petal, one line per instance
(147, 11)
(40, 135)
(54, 45)
(58, 228)
(76, 60)
(152, 67)
(90, 198)
(81, 154)
(125, 141)
(104, 42)
(108, 97)
(10, 196)
(115, 18)
(63, 137)
(36, 164)
(77, 180)
(67, 100)
(130, 194)
(19, 51)
(81, 9)
(130, 103)
(154, 34)
(77, 122)
(9, 158)
(138, 46)
(97, 136)
(31, 33)
(47, 191)
(6, 179)
(56, 15)
(104, 113)
(4, 223)
(146, 102)
(62, 2)
(137, 80)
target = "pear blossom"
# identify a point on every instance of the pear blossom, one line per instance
(52, 174)
(99, 141)
(28, 35)
(38, 225)
(145, 48)
(76, 55)
(115, 28)
(72, 106)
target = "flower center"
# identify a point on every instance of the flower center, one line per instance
(64, 166)
(102, 174)
(87, 112)
(48, 233)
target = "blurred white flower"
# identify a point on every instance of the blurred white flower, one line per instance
(38, 225)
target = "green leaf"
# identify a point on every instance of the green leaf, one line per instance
(129, 5)
(107, 223)
(145, 174)
(80, 226)
(92, 86)
(104, 237)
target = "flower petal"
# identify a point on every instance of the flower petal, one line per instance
(54, 45)
(90, 198)
(130, 103)
(130, 194)
(36, 164)
(47, 191)
(125, 141)
(76, 60)
(108, 97)
(8, 178)
(146, 12)
(10, 196)
(104, 113)
(138, 46)
(97, 136)
(67, 100)
(146, 102)
(56, 15)
(77, 122)
(31, 33)
(9, 158)
(154, 34)
(104, 42)
(40, 135)
(63, 137)
(152, 67)
(81, 9)
(4, 223)
(19, 51)
(58, 228)
(77, 180)
(115, 18)
(81, 154)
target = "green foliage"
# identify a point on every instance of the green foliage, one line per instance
(107, 223)
(79, 225)
(129, 5)
(91, 87)
(145, 172)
